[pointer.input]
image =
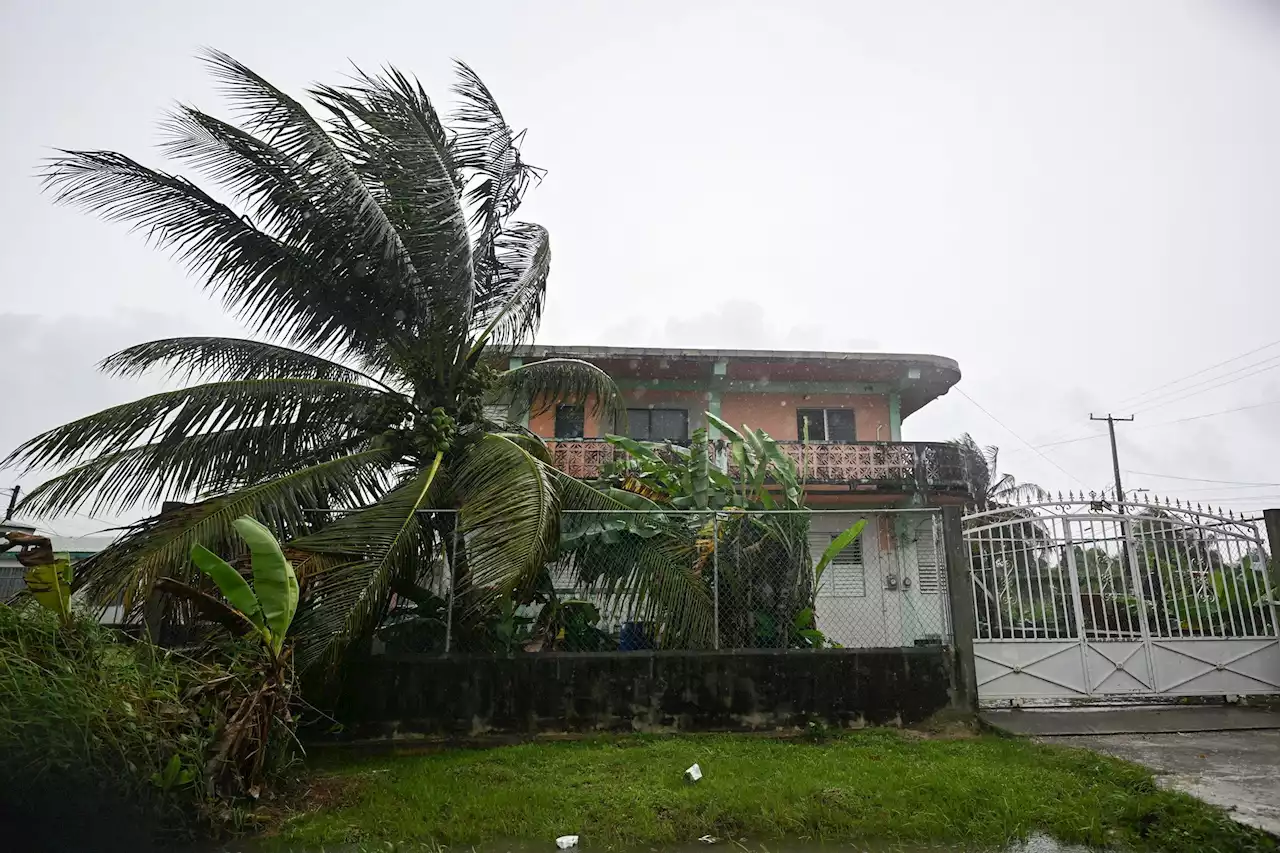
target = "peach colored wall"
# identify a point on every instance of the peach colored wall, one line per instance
(776, 413)
(544, 423)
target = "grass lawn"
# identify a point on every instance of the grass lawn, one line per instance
(876, 785)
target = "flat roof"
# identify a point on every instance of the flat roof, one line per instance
(931, 375)
(588, 352)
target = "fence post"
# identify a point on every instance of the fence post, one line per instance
(1271, 518)
(960, 599)
(715, 574)
(448, 615)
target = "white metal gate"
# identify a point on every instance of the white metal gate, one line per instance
(1084, 600)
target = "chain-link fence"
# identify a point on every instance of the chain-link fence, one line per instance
(626, 581)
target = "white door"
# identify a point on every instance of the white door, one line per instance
(923, 580)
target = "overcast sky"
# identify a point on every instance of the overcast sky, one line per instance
(1078, 201)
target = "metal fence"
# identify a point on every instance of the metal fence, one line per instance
(1063, 569)
(1085, 600)
(625, 581)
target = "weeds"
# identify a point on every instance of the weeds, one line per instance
(97, 729)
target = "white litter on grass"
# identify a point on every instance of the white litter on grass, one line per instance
(709, 839)
(564, 842)
(693, 774)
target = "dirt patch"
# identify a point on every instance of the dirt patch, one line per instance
(318, 793)
(945, 725)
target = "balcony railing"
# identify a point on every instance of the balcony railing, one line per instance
(908, 466)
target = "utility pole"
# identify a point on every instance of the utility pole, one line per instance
(1127, 551)
(13, 501)
(1115, 456)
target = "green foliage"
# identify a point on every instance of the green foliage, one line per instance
(50, 585)
(91, 721)
(767, 578)
(271, 603)
(375, 247)
(230, 583)
(864, 789)
(838, 544)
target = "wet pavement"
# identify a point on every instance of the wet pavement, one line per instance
(1119, 721)
(1226, 756)
(1238, 770)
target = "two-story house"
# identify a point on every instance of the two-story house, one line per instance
(839, 415)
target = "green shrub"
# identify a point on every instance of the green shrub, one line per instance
(99, 726)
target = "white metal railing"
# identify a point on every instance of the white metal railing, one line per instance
(1076, 567)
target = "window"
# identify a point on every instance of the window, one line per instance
(658, 424)
(569, 421)
(846, 574)
(826, 424)
(929, 578)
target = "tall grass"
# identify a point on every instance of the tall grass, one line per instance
(95, 726)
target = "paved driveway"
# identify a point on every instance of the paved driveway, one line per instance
(1226, 756)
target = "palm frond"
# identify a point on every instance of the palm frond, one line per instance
(159, 546)
(531, 443)
(285, 125)
(228, 359)
(215, 406)
(387, 126)
(276, 288)
(540, 385)
(656, 581)
(510, 298)
(376, 545)
(487, 151)
(486, 146)
(188, 466)
(307, 204)
(510, 513)
(1009, 490)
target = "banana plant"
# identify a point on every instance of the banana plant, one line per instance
(50, 585)
(255, 716)
(267, 607)
(48, 576)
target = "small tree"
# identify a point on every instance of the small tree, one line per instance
(252, 719)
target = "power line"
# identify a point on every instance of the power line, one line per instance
(1220, 488)
(1074, 440)
(1136, 397)
(1196, 479)
(1020, 438)
(1095, 435)
(1219, 385)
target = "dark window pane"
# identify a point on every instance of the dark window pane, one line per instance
(569, 421)
(669, 424)
(840, 425)
(638, 424)
(817, 430)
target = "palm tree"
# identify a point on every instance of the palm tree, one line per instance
(374, 251)
(986, 484)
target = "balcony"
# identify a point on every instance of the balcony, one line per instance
(896, 466)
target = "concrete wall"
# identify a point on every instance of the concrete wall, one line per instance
(645, 691)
